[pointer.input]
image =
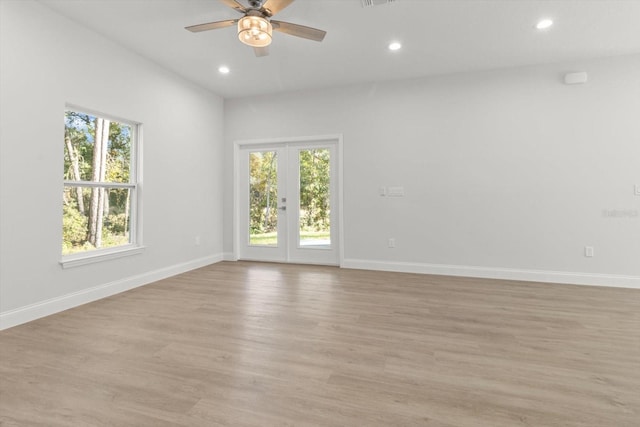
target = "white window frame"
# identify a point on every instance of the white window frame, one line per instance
(134, 185)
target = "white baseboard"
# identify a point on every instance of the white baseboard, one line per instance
(35, 311)
(571, 278)
(229, 256)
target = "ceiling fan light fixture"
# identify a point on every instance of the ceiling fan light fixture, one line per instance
(255, 31)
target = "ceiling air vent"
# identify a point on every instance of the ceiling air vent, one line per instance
(371, 3)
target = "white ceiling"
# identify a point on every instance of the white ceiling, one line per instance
(439, 37)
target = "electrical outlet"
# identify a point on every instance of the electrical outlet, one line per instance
(392, 242)
(197, 240)
(588, 251)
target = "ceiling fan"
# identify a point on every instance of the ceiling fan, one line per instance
(256, 26)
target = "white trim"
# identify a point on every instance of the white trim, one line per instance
(290, 139)
(236, 202)
(94, 184)
(99, 255)
(135, 245)
(68, 106)
(563, 277)
(340, 201)
(40, 309)
(136, 210)
(229, 256)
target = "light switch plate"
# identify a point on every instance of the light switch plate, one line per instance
(395, 192)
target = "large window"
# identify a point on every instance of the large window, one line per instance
(100, 184)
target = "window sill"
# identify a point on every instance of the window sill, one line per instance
(77, 260)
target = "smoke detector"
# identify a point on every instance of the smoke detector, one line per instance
(371, 3)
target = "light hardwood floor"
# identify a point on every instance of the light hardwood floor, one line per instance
(251, 344)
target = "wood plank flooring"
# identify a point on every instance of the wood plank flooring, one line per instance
(251, 344)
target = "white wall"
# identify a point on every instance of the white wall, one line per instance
(47, 61)
(506, 173)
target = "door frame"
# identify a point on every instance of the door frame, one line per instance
(302, 140)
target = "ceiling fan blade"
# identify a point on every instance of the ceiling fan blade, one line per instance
(211, 25)
(233, 4)
(261, 51)
(298, 30)
(272, 7)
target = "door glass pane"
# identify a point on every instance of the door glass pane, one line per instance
(314, 206)
(263, 198)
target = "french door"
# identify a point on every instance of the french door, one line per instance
(287, 203)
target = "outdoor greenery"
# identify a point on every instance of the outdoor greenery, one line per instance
(314, 190)
(314, 195)
(96, 150)
(263, 192)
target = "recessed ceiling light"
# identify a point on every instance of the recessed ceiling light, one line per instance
(395, 46)
(543, 24)
(223, 69)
